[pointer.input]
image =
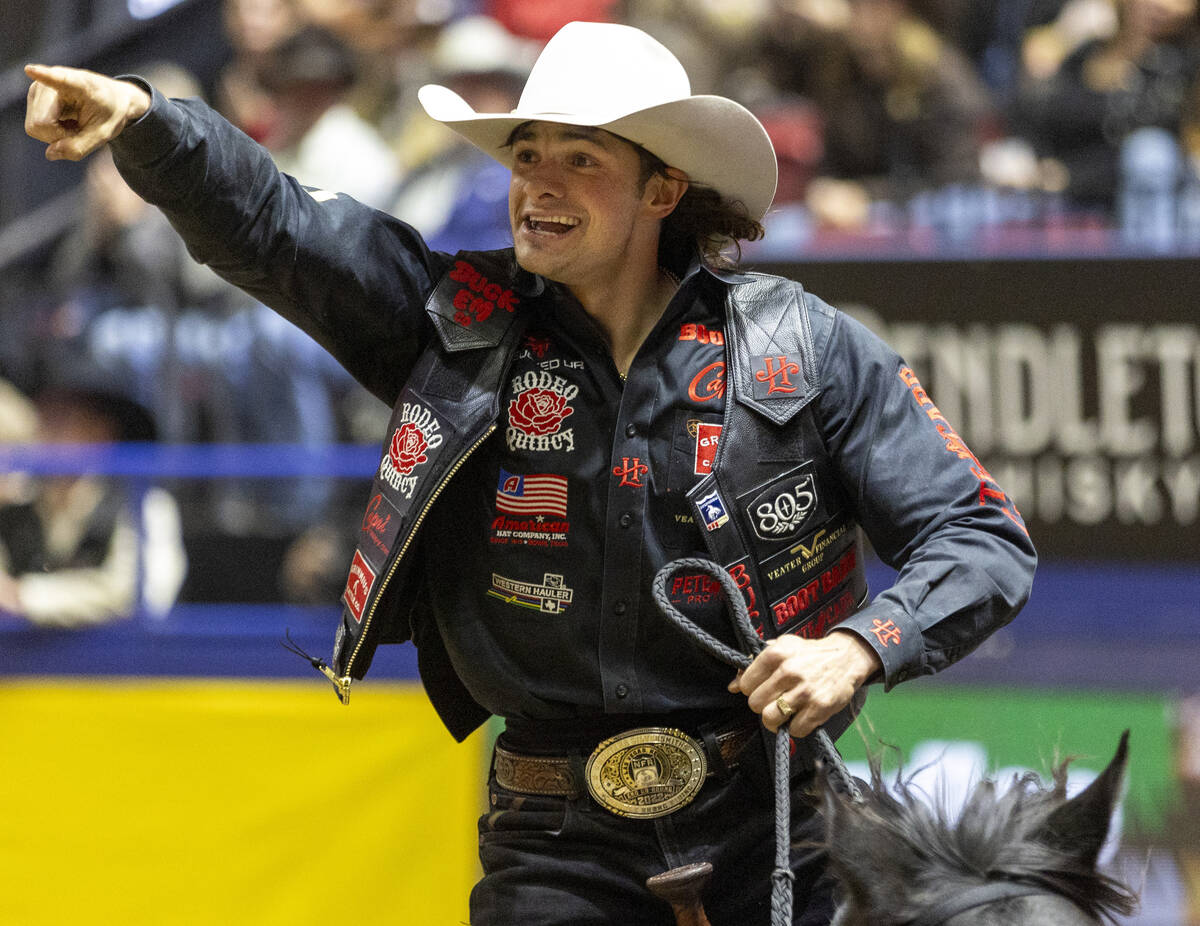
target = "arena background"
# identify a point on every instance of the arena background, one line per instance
(185, 767)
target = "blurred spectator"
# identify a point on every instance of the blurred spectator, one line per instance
(311, 132)
(540, 19)
(995, 35)
(208, 361)
(254, 28)
(710, 39)
(458, 198)
(1046, 45)
(796, 129)
(18, 418)
(127, 298)
(1143, 76)
(1184, 820)
(391, 41)
(378, 25)
(18, 425)
(83, 550)
(902, 108)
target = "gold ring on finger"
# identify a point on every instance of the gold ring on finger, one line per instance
(784, 708)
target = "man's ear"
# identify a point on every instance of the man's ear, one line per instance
(664, 191)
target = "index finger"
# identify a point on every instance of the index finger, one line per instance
(65, 80)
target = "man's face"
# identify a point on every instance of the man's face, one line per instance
(576, 203)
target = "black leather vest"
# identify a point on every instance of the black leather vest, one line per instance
(770, 512)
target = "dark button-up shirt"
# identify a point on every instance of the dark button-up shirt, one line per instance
(540, 553)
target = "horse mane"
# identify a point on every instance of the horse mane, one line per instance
(896, 854)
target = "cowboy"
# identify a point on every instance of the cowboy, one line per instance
(571, 414)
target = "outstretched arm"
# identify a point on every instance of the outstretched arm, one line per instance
(353, 278)
(76, 111)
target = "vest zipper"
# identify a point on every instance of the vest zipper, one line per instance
(342, 685)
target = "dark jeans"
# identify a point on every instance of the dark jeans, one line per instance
(553, 861)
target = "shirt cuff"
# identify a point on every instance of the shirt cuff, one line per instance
(894, 636)
(152, 136)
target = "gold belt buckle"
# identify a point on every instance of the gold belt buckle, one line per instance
(647, 772)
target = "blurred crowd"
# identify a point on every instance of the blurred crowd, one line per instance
(933, 123)
(927, 120)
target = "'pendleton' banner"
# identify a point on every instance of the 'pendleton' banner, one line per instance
(1077, 383)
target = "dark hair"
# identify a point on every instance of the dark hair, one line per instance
(703, 221)
(897, 854)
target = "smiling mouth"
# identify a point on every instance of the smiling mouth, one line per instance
(550, 224)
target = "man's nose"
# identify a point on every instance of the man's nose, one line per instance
(545, 180)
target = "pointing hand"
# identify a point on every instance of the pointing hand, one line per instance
(76, 111)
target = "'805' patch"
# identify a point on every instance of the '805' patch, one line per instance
(780, 511)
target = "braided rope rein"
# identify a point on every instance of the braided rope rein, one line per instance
(839, 776)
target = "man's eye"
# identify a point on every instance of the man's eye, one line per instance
(582, 160)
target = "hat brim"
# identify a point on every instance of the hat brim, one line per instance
(715, 141)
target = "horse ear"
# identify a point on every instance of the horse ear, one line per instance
(1079, 826)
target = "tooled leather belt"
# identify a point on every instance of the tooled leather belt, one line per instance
(644, 772)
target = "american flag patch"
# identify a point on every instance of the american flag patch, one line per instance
(540, 493)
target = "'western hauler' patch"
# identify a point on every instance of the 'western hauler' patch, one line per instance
(358, 586)
(417, 433)
(550, 597)
(536, 415)
(782, 510)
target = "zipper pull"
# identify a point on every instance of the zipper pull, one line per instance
(341, 685)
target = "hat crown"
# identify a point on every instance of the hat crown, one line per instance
(603, 68)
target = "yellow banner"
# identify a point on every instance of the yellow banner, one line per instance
(232, 801)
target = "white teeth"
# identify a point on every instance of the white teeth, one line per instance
(557, 219)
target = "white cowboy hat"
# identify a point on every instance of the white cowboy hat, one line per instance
(620, 79)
